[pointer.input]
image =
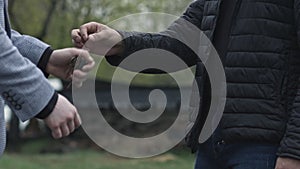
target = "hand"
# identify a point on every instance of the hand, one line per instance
(287, 163)
(59, 65)
(64, 119)
(98, 39)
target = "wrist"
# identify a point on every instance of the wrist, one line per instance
(49, 68)
(43, 63)
(118, 49)
(49, 107)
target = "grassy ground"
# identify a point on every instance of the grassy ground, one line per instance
(92, 159)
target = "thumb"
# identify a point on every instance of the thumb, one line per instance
(95, 37)
(94, 42)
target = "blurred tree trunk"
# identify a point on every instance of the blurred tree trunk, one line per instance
(13, 19)
(77, 15)
(47, 21)
(62, 27)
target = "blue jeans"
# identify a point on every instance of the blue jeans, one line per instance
(216, 154)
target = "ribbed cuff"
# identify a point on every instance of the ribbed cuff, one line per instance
(42, 65)
(115, 60)
(49, 108)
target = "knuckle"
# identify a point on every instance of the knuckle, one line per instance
(56, 129)
(66, 133)
(75, 111)
(74, 33)
(94, 23)
(82, 27)
(70, 117)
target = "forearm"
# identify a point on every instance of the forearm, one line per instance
(22, 85)
(135, 41)
(175, 39)
(33, 49)
(289, 146)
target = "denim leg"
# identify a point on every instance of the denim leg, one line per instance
(204, 161)
(215, 153)
(250, 156)
(207, 157)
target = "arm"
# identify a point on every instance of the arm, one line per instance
(289, 150)
(39, 53)
(92, 35)
(33, 49)
(23, 86)
(55, 62)
(28, 93)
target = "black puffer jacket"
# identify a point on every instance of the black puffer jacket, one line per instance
(262, 68)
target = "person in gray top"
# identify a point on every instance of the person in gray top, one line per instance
(25, 62)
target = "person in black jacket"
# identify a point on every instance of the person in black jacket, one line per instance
(258, 41)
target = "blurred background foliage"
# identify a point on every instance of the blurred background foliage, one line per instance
(53, 20)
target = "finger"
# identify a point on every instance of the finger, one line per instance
(85, 62)
(76, 36)
(56, 133)
(84, 32)
(77, 120)
(79, 75)
(78, 45)
(89, 67)
(86, 56)
(78, 84)
(89, 28)
(71, 126)
(83, 54)
(65, 129)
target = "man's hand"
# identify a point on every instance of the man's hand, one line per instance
(64, 119)
(60, 65)
(287, 163)
(98, 39)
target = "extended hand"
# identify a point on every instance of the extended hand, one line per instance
(64, 119)
(98, 39)
(60, 65)
(287, 163)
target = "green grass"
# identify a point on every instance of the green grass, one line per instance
(91, 159)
